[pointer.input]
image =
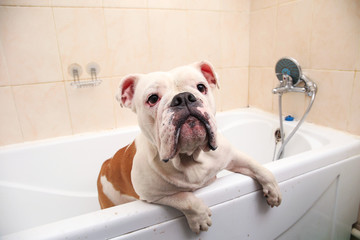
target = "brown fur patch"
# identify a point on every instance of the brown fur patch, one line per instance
(118, 171)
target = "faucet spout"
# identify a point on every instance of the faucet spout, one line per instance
(279, 90)
(286, 85)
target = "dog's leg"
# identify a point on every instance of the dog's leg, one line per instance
(196, 212)
(241, 163)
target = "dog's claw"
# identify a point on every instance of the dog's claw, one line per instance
(273, 196)
(200, 222)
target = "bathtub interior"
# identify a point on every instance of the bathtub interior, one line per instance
(257, 139)
(49, 181)
(52, 180)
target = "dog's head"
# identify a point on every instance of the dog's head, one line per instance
(175, 109)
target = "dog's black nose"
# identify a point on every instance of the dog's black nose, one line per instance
(183, 99)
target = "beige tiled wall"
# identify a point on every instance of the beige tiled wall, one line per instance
(324, 36)
(39, 39)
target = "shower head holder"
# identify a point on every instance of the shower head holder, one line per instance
(288, 67)
(288, 72)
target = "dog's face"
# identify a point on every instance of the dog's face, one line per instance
(175, 109)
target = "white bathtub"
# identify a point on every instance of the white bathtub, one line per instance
(48, 188)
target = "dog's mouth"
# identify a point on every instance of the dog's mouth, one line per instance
(193, 130)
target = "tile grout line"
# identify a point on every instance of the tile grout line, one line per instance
(351, 100)
(275, 46)
(17, 114)
(12, 93)
(126, 8)
(107, 48)
(311, 33)
(63, 74)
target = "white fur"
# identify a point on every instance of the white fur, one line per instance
(112, 194)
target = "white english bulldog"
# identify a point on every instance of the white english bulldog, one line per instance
(179, 149)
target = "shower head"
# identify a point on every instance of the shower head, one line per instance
(290, 67)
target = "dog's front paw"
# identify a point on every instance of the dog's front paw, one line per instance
(199, 219)
(272, 194)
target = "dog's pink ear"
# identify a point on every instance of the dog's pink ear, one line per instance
(127, 90)
(210, 75)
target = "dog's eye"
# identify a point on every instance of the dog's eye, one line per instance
(153, 99)
(201, 87)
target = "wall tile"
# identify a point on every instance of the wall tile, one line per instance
(4, 75)
(261, 4)
(168, 39)
(42, 110)
(29, 43)
(292, 104)
(332, 104)
(285, 1)
(125, 3)
(76, 3)
(335, 34)
(354, 119)
(203, 31)
(357, 67)
(81, 35)
(204, 4)
(234, 39)
(167, 4)
(234, 88)
(261, 82)
(294, 32)
(91, 109)
(128, 41)
(235, 5)
(10, 131)
(43, 3)
(262, 37)
(125, 117)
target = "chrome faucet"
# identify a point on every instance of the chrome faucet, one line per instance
(288, 72)
(287, 85)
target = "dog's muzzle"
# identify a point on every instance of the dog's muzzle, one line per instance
(186, 110)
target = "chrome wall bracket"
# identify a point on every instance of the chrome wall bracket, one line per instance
(92, 69)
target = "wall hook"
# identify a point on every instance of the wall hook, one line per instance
(93, 69)
(75, 71)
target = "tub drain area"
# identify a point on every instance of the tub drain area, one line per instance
(278, 138)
